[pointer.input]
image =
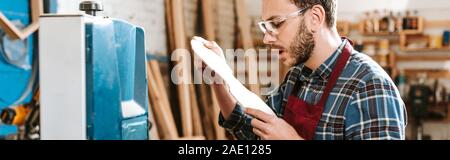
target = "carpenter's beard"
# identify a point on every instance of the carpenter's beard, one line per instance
(302, 46)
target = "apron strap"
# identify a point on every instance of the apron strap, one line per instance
(335, 74)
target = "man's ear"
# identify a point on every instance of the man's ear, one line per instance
(317, 17)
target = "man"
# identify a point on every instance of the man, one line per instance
(331, 92)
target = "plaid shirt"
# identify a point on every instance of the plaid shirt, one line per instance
(364, 104)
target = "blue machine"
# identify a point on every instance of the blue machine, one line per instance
(16, 80)
(93, 85)
(116, 73)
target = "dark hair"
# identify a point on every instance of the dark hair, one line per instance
(330, 7)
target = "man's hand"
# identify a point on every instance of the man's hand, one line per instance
(213, 46)
(227, 102)
(270, 127)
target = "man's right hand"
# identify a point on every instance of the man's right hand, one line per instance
(213, 46)
(226, 101)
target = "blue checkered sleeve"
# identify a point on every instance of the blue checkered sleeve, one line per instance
(376, 112)
(239, 124)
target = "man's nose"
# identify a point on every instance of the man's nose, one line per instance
(269, 38)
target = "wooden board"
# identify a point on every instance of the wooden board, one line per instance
(163, 114)
(195, 138)
(244, 25)
(154, 66)
(13, 32)
(208, 121)
(191, 17)
(154, 133)
(224, 20)
(437, 23)
(197, 124)
(183, 89)
(210, 33)
(169, 23)
(434, 74)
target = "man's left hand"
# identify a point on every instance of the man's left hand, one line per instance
(270, 127)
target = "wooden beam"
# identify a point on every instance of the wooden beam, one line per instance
(13, 32)
(210, 33)
(197, 124)
(154, 133)
(156, 70)
(195, 138)
(220, 132)
(9, 28)
(169, 23)
(208, 19)
(37, 9)
(244, 25)
(430, 73)
(205, 110)
(427, 57)
(163, 113)
(183, 89)
(437, 23)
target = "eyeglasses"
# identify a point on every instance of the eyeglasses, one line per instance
(271, 26)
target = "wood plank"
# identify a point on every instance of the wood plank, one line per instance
(244, 25)
(425, 49)
(208, 19)
(205, 110)
(197, 124)
(163, 114)
(437, 23)
(220, 132)
(210, 28)
(169, 23)
(427, 57)
(9, 28)
(195, 138)
(430, 73)
(13, 32)
(183, 89)
(154, 133)
(37, 9)
(156, 70)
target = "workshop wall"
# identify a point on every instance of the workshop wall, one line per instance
(438, 10)
(145, 13)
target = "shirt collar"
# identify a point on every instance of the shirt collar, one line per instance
(325, 69)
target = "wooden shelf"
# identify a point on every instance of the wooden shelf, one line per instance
(424, 49)
(401, 39)
(411, 32)
(423, 57)
(376, 42)
(437, 23)
(430, 73)
(419, 30)
(381, 34)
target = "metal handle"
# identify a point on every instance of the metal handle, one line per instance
(91, 7)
